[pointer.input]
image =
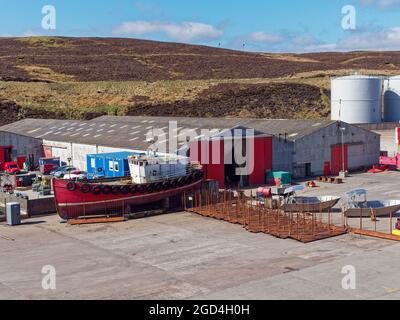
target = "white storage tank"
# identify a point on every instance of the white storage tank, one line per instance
(392, 99)
(357, 99)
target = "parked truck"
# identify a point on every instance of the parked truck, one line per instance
(46, 165)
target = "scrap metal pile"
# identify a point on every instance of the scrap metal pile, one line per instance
(257, 216)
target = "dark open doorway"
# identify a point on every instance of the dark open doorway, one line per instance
(308, 170)
(232, 179)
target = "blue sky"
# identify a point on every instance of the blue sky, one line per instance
(255, 25)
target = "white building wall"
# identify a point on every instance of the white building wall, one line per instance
(78, 152)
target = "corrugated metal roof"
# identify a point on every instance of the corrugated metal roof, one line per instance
(130, 132)
(115, 155)
(291, 127)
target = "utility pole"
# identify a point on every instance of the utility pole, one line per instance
(343, 173)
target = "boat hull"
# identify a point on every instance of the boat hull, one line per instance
(311, 204)
(370, 211)
(75, 204)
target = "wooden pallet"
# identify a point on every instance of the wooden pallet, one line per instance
(375, 234)
(6, 238)
(332, 180)
(81, 221)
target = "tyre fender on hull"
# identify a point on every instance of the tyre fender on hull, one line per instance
(141, 188)
(116, 190)
(150, 187)
(97, 190)
(106, 190)
(125, 190)
(199, 175)
(133, 189)
(85, 188)
(166, 185)
(189, 179)
(71, 186)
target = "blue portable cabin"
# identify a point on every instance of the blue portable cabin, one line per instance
(108, 165)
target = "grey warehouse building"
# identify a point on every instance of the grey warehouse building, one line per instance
(302, 147)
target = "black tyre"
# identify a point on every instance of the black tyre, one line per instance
(141, 188)
(190, 179)
(125, 190)
(150, 187)
(133, 189)
(107, 190)
(116, 190)
(71, 186)
(199, 175)
(97, 190)
(86, 188)
(166, 185)
(175, 182)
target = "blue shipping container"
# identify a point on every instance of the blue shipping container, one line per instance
(108, 165)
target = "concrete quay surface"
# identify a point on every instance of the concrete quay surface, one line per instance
(186, 256)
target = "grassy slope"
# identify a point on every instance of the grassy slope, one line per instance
(82, 78)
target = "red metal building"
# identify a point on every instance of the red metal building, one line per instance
(217, 156)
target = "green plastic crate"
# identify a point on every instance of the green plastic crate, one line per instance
(285, 177)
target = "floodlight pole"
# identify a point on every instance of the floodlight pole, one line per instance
(342, 130)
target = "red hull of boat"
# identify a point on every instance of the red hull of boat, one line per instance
(75, 204)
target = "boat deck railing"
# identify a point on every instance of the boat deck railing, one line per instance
(190, 168)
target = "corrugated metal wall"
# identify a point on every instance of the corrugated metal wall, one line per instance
(282, 155)
(22, 145)
(316, 148)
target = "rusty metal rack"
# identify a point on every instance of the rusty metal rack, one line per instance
(256, 217)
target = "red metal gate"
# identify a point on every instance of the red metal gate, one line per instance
(262, 159)
(337, 158)
(327, 168)
(216, 162)
(211, 155)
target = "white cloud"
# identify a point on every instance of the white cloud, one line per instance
(383, 4)
(382, 40)
(368, 41)
(186, 31)
(265, 37)
(31, 33)
(321, 47)
(304, 40)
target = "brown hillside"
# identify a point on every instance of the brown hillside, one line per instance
(84, 77)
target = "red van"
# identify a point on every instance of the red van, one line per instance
(12, 168)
